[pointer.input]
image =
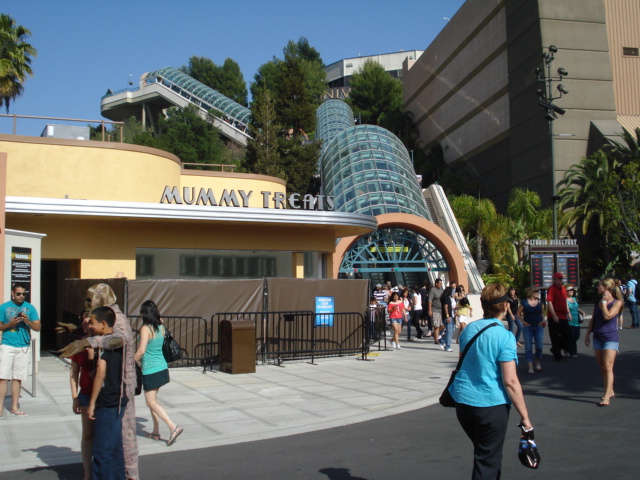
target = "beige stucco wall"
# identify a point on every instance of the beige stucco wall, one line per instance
(105, 246)
(89, 170)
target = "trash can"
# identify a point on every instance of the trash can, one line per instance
(237, 346)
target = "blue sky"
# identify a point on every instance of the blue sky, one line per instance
(85, 48)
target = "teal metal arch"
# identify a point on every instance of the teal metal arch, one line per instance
(393, 250)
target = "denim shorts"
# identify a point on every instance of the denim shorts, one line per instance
(600, 345)
(396, 320)
(84, 399)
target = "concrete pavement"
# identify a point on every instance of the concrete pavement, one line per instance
(354, 410)
(220, 409)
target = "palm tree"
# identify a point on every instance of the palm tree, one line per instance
(15, 59)
(586, 191)
(628, 150)
(476, 217)
(527, 220)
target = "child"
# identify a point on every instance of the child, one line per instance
(81, 368)
(574, 321)
(108, 402)
(465, 312)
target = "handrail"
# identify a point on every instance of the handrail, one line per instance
(230, 168)
(103, 122)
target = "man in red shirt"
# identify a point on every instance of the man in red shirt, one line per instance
(557, 315)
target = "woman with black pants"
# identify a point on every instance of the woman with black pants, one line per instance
(487, 385)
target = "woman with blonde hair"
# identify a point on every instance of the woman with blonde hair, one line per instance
(487, 384)
(604, 325)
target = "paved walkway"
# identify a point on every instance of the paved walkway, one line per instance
(221, 409)
(365, 417)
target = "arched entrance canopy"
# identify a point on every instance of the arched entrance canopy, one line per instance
(430, 243)
(393, 249)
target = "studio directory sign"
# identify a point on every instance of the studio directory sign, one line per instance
(550, 256)
(541, 269)
(21, 268)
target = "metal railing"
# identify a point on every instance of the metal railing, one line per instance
(212, 166)
(297, 335)
(193, 334)
(376, 326)
(79, 120)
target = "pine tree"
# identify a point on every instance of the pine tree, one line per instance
(263, 150)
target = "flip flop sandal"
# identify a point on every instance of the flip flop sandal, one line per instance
(19, 413)
(174, 435)
(153, 436)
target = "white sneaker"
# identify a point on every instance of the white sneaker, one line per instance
(398, 346)
(441, 346)
(449, 350)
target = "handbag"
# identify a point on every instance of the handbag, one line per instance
(170, 348)
(446, 400)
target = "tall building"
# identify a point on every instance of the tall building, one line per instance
(474, 89)
(339, 73)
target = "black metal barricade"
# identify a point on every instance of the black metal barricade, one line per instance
(193, 334)
(376, 326)
(295, 335)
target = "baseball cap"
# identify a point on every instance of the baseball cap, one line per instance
(558, 275)
(378, 285)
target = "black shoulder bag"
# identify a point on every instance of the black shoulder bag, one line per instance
(446, 400)
(170, 348)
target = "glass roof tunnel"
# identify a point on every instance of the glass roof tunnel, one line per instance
(197, 92)
(365, 168)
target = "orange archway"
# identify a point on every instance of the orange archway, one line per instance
(442, 241)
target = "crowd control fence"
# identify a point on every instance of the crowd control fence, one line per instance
(299, 335)
(193, 334)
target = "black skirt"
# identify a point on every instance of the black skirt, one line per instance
(155, 380)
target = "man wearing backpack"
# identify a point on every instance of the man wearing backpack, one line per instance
(632, 301)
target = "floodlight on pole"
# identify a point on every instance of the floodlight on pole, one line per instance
(546, 98)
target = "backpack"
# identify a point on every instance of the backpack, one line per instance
(629, 292)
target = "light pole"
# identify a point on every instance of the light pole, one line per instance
(545, 100)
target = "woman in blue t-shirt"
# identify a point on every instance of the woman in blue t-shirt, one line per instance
(155, 371)
(487, 384)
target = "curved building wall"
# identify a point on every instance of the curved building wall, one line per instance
(111, 208)
(81, 169)
(366, 168)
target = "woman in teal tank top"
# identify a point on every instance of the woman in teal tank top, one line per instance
(155, 371)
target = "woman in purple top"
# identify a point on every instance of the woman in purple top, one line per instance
(604, 325)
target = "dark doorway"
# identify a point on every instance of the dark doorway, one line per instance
(53, 274)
